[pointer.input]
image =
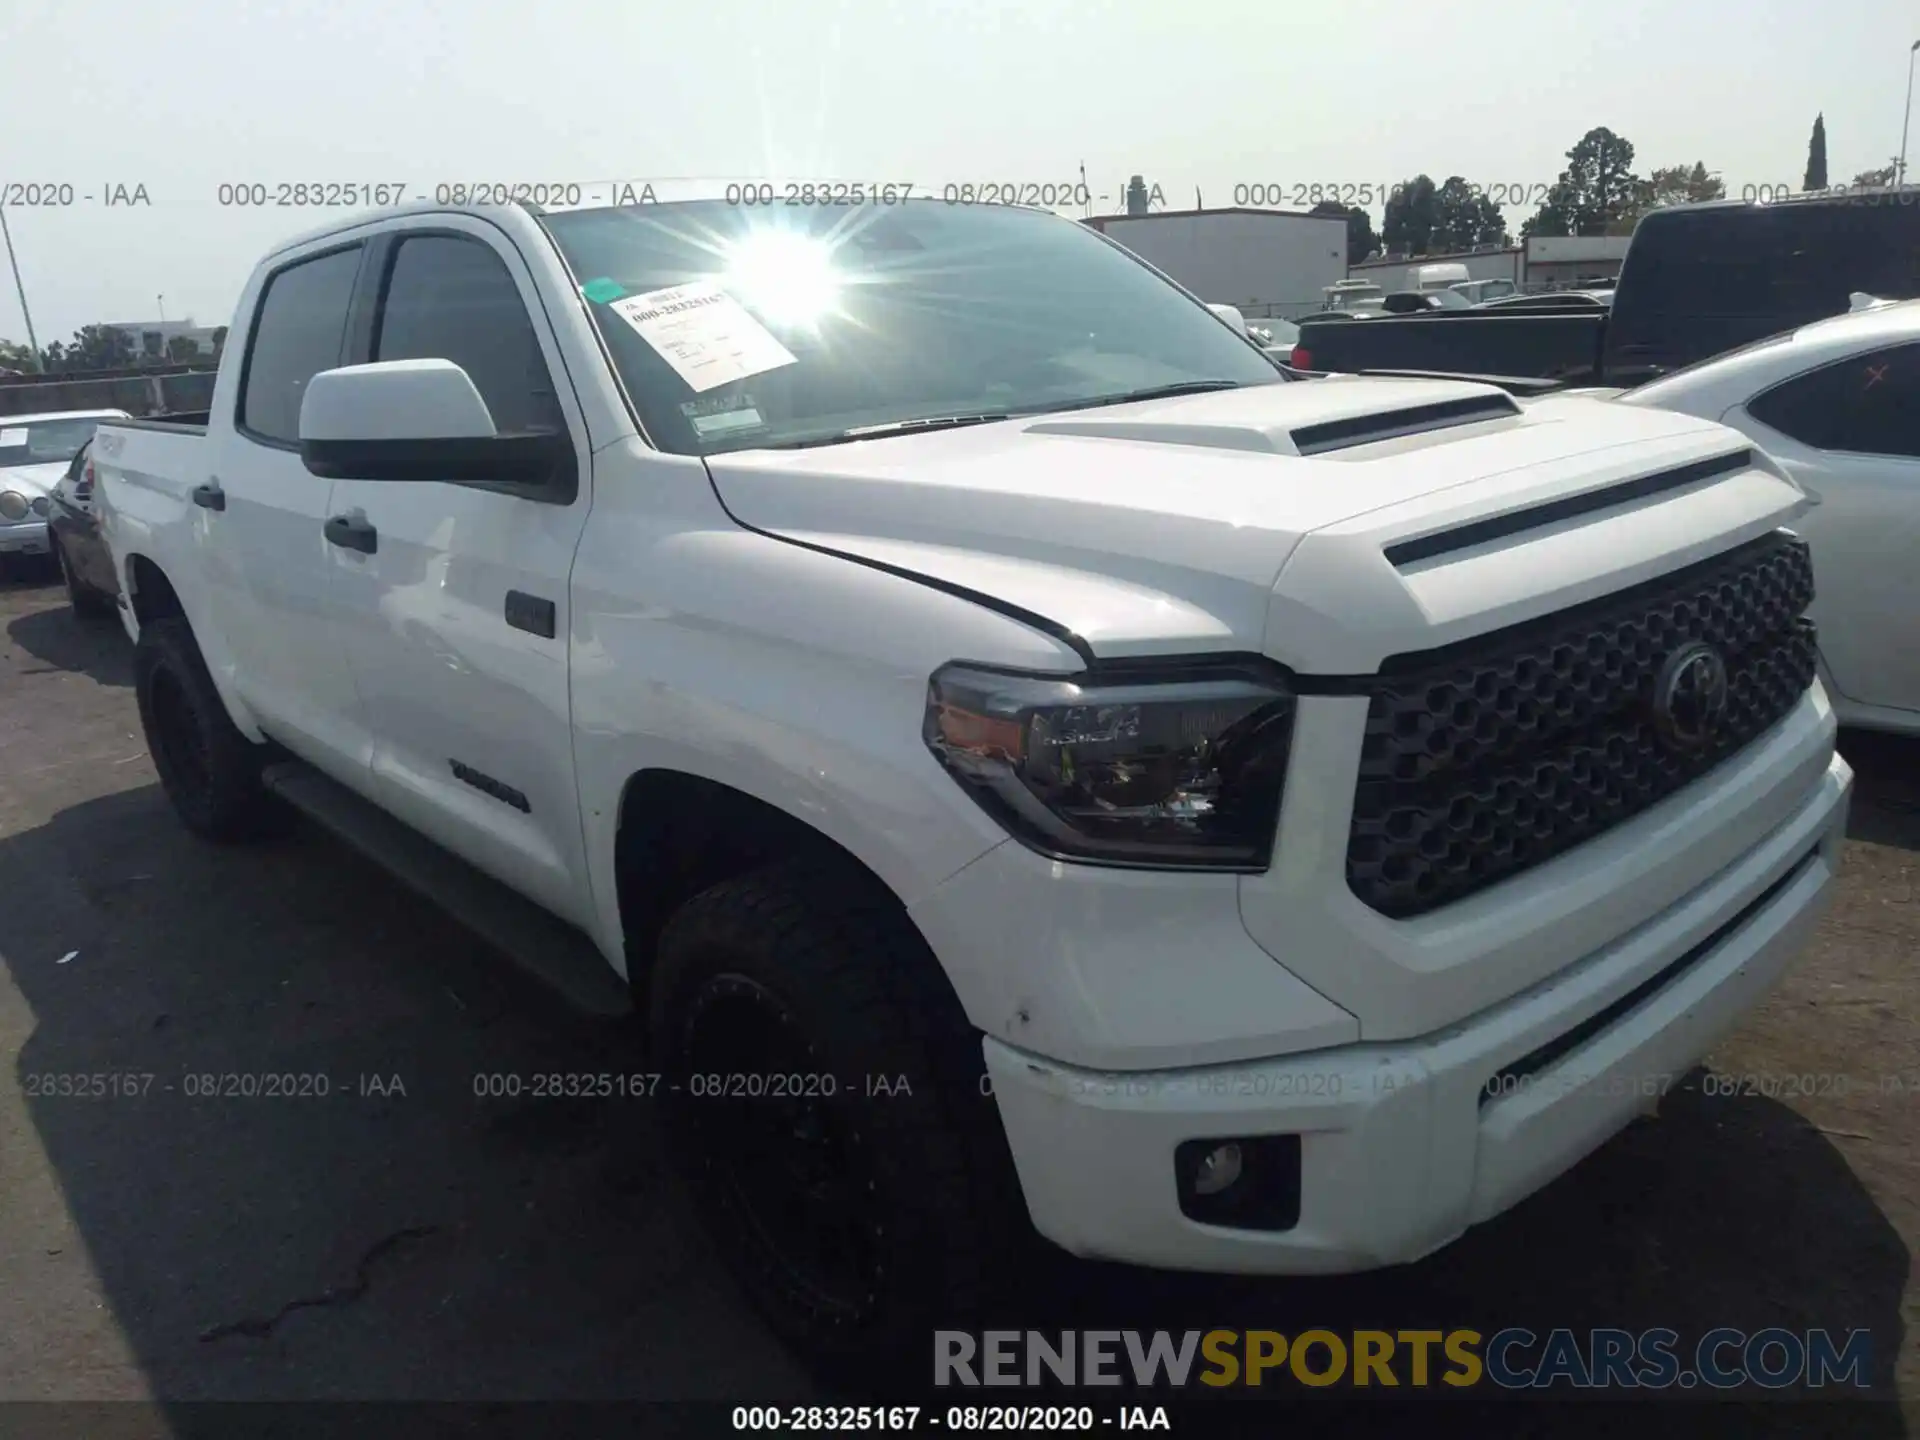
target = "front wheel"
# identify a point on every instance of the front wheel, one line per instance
(829, 1113)
(210, 771)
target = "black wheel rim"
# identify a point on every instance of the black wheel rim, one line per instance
(780, 1151)
(179, 740)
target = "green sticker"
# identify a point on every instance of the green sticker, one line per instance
(601, 290)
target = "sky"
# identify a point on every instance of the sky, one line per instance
(1210, 95)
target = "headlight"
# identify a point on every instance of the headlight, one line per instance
(1155, 766)
(13, 505)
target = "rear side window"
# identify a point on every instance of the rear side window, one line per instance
(1868, 405)
(296, 334)
(1798, 262)
(451, 298)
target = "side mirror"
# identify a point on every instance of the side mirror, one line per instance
(419, 420)
(1231, 315)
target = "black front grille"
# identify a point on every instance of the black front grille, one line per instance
(1489, 757)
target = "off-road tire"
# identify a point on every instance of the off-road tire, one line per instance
(870, 1008)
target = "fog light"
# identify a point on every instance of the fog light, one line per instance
(1219, 1168)
(1246, 1182)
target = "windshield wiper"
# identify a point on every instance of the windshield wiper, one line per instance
(896, 427)
(1154, 392)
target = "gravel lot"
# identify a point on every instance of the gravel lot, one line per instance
(411, 1241)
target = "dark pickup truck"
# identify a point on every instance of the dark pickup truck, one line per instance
(1698, 280)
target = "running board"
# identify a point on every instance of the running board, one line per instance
(538, 943)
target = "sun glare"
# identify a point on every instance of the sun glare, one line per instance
(789, 278)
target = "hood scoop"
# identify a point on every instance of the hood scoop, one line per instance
(1249, 420)
(1356, 430)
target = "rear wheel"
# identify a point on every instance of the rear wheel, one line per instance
(831, 1115)
(87, 602)
(210, 771)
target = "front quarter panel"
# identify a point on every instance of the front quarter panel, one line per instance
(796, 677)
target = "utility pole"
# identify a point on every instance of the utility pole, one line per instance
(161, 301)
(1900, 166)
(33, 343)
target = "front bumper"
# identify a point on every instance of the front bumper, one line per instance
(1400, 1152)
(24, 537)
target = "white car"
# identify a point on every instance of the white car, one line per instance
(1030, 760)
(35, 451)
(1837, 404)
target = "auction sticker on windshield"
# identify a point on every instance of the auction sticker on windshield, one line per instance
(707, 336)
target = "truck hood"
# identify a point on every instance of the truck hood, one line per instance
(1163, 527)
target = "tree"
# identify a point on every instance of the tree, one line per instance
(1554, 217)
(1464, 216)
(1872, 179)
(1407, 226)
(1817, 156)
(93, 347)
(1361, 241)
(14, 356)
(1670, 185)
(182, 348)
(219, 340)
(1596, 189)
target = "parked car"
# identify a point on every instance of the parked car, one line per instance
(1030, 762)
(1271, 334)
(1413, 302)
(1545, 302)
(1479, 291)
(1837, 404)
(1698, 280)
(74, 538)
(35, 450)
(1354, 297)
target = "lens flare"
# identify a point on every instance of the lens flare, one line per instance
(787, 277)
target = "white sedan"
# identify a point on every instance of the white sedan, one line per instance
(1837, 403)
(35, 451)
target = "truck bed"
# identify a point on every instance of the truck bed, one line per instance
(1553, 347)
(144, 475)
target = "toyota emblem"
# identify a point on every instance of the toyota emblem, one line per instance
(1690, 696)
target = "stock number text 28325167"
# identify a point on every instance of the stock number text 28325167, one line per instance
(1280, 195)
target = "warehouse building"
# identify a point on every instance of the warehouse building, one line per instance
(1544, 262)
(1266, 263)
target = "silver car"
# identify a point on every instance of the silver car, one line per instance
(35, 451)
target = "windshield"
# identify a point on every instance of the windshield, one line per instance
(804, 324)
(43, 442)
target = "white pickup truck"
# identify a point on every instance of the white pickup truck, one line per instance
(1026, 757)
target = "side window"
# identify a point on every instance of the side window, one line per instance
(1868, 405)
(451, 298)
(296, 334)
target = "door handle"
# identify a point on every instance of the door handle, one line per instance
(210, 496)
(350, 532)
